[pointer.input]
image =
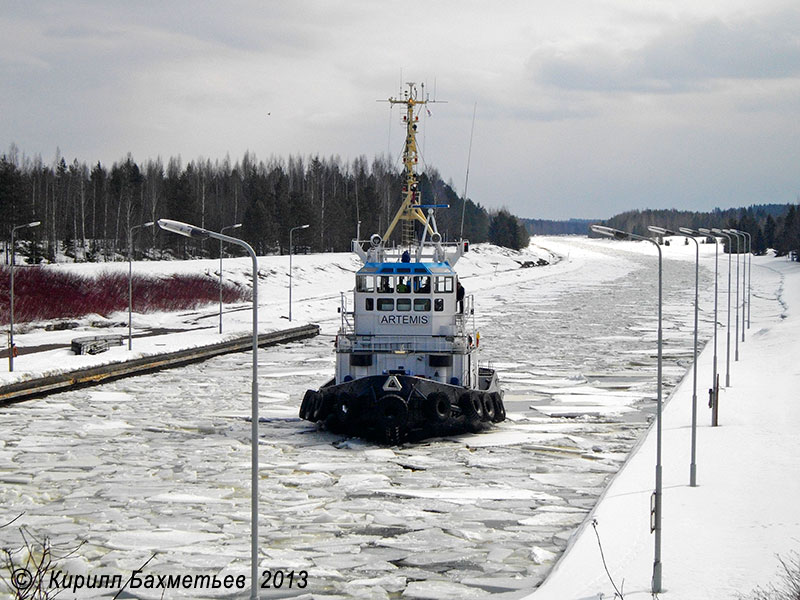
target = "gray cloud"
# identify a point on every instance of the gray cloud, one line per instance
(553, 138)
(686, 57)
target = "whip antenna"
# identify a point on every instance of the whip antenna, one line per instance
(466, 180)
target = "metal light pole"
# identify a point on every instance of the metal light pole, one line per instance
(130, 275)
(291, 231)
(236, 226)
(689, 234)
(199, 233)
(749, 275)
(11, 290)
(656, 514)
(708, 232)
(735, 233)
(728, 349)
(745, 279)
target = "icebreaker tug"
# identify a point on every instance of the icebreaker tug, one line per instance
(406, 356)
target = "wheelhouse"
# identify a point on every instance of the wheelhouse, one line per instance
(408, 318)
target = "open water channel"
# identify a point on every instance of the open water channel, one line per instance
(161, 463)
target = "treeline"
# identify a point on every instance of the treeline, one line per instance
(507, 230)
(86, 211)
(548, 227)
(775, 226)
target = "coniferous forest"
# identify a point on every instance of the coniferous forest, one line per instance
(86, 211)
(772, 226)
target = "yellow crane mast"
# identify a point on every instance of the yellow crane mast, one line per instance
(410, 210)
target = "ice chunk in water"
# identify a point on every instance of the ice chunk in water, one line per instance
(441, 590)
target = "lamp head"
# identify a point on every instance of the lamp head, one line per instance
(183, 229)
(660, 230)
(687, 231)
(602, 230)
(705, 231)
(34, 224)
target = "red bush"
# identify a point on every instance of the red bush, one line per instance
(42, 293)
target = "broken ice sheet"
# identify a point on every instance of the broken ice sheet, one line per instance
(158, 539)
(187, 434)
(433, 589)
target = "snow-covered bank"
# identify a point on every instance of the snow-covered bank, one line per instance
(724, 536)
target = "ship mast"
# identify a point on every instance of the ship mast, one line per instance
(410, 210)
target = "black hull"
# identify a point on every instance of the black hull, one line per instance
(392, 409)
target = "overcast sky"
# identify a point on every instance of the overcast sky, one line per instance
(583, 109)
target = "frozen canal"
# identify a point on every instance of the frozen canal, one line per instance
(161, 463)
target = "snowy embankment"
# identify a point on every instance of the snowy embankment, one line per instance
(317, 281)
(725, 536)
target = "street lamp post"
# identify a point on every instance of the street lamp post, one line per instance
(656, 514)
(749, 274)
(130, 276)
(199, 233)
(735, 233)
(11, 290)
(714, 390)
(728, 328)
(745, 278)
(236, 226)
(291, 231)
(689, 234)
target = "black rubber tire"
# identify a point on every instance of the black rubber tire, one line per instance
(477, 402)
(438, 407)
(304, 405)
(392, 411)
(499, 408)
(489, 407)
(317, 413)
(468, 410)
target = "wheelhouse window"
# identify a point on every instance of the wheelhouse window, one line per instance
(365, 283)
(386, 304)
(403, 285)
(404, 304)
(385, 285)
(438, 305)
(443, 285)
(369, 303)
(422, 285)
(422, 304)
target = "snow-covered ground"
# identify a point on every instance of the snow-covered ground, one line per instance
(725, 536)
(161, 461)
